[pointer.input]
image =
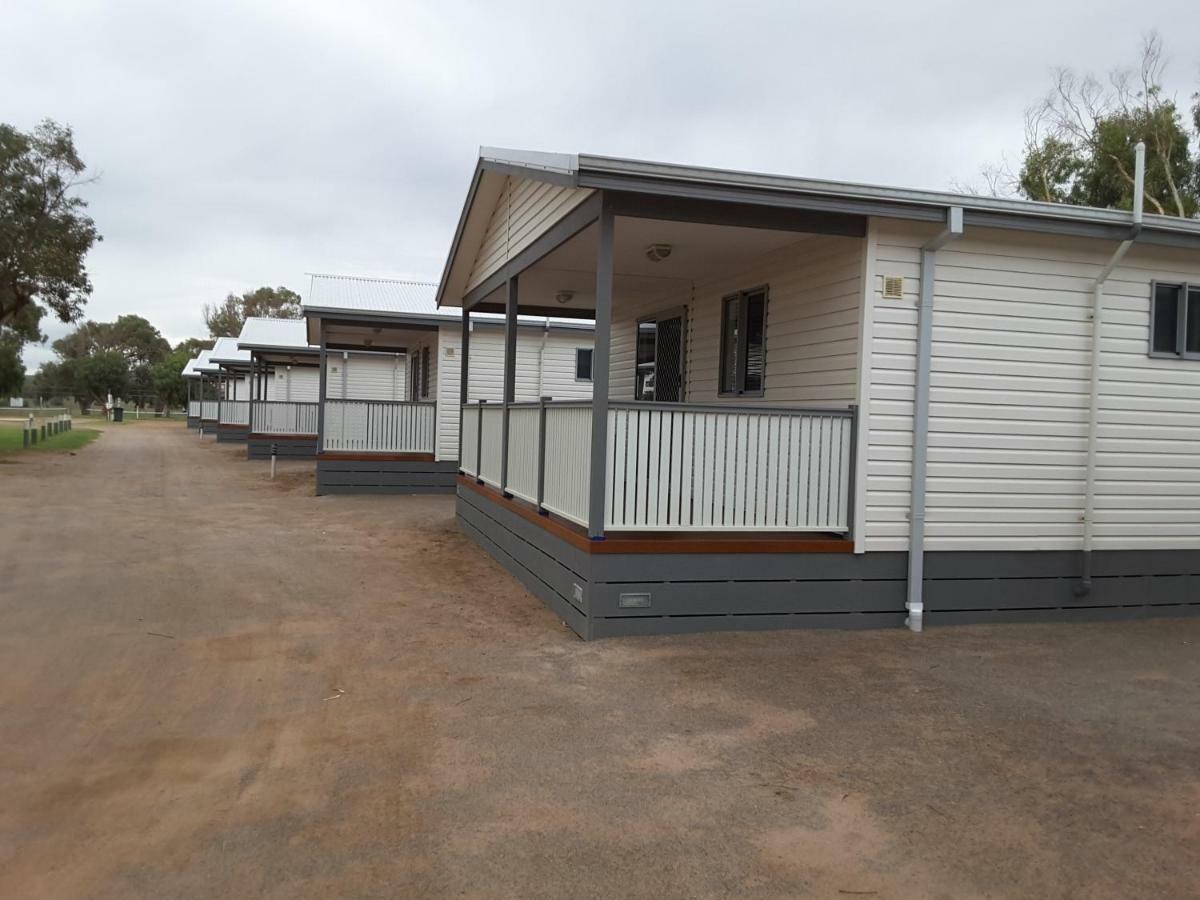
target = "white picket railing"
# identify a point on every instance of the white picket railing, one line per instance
(208, 410)
(380, 426)
(193, 409)
(234, 412)
(674, 467)
(491, 423)
(711, 468)
(283, 417)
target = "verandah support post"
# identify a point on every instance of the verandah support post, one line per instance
(541, 475)
(321, 400)
(510, 375)
(604, 288)
(464, 372)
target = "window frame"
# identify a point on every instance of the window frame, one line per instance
(591, 351)
(742, 298)
(424, 370)
(1183, 292)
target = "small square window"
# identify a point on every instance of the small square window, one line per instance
(583, 363)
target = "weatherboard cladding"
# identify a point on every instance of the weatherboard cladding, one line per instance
(1009, 397)
(526, 208)
(815, 291)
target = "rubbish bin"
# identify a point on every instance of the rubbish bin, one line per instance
(118, 414)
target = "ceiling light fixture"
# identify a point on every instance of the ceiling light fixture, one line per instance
(658, 252)
(564, 296)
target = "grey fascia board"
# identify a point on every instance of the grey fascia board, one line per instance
(606, 172)
(458, 230)
(306, 349)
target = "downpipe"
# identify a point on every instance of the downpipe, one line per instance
(915, 602)
(1084, 588)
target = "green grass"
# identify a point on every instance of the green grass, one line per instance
(10, 440)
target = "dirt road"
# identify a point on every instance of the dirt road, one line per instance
(212, 685)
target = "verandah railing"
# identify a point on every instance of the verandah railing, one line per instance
(283, 417)
(208, 410)
(234, 412)
(380, 426)
(672, 466)
(193, 409)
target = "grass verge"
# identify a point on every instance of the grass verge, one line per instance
(10, 440)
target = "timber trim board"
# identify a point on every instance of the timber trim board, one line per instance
(661, 542)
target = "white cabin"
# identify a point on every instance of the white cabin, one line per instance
(834, 404)
(392, 389)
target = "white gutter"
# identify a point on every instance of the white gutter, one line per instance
(920, 463)
(1089, 490)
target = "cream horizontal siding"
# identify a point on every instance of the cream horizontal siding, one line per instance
(541, 371)
(814, 295)
(362, 376)
(1009, 398)
(300, 384)
(525, 210)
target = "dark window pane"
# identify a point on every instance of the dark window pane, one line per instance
(583, 364)
(425, 372)
(1192, 339)
(756, 321)
(646, 340)
(729, 345)
(1164, 328)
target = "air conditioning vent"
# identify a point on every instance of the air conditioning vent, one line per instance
(893, 287)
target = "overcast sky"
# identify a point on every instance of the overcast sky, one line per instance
(242, 144)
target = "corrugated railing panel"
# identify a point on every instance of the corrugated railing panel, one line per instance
(379, 426)
(491, 426)
(523, 451)
(740, 469)
(469, 455)
(234, 412)
(283, 417)
(208, 410)
(193, 409)
(568, 456)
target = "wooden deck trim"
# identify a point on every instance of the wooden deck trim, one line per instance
(376, 457)
(662, 542)
(230, 426)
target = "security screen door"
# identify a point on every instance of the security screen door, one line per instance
(660, 358)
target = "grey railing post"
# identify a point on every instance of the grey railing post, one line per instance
(479, 444)
(851, 488)
(541, 473)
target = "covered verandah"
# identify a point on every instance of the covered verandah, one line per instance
(283, 408)
(693, 453)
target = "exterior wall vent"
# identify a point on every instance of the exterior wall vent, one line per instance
(893, 287)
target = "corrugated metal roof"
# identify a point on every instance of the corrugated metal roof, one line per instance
(226, 352)
(384, 295)
(189, 368)
(203, 363)
(266, 333)
(399, 299)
